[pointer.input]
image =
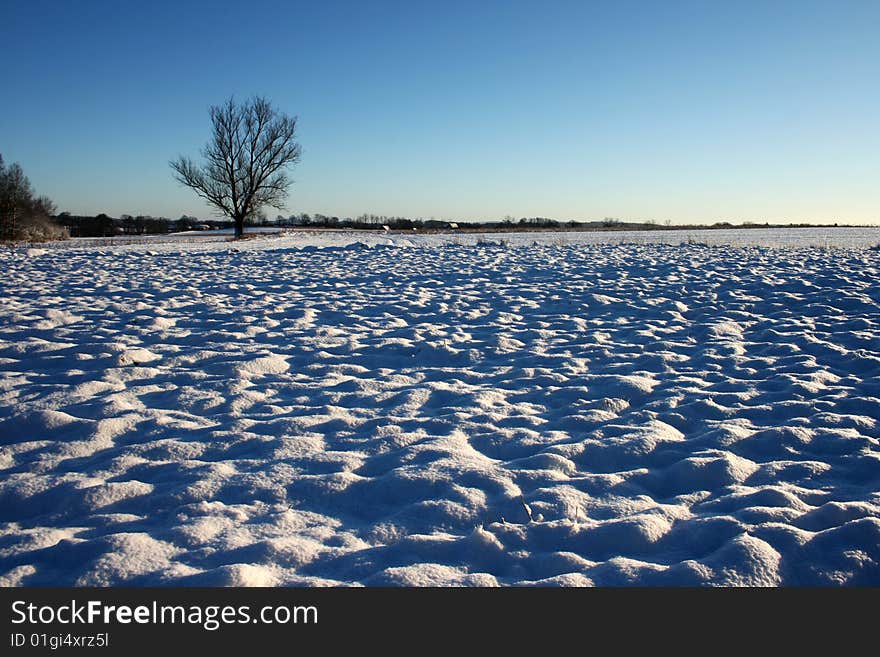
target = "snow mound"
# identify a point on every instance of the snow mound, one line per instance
(136, 357)
(260, 366)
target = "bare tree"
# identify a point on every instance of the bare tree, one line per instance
(251, 146)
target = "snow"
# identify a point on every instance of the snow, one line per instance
(541, 409)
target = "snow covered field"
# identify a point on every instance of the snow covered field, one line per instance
(426, 410)
(298, 237)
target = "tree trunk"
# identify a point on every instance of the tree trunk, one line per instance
(239, 227)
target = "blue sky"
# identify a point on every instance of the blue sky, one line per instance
(681, 111)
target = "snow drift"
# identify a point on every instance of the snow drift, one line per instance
(440, 415)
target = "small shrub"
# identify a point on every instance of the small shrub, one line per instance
(40, 229)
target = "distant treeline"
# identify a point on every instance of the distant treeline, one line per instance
(373, 221)
(104, 225)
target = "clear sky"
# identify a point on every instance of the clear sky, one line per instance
(683, 111)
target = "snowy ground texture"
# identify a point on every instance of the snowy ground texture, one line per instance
(417, 412)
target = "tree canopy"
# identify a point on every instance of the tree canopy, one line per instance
(23, 215)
